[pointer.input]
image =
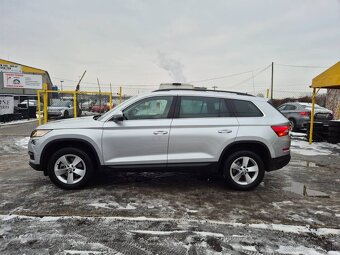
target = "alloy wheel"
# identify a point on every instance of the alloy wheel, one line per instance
(70, 169)
(244, 170)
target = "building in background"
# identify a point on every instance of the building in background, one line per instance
(19, 83)
(18, 79)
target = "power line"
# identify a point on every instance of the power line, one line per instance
(252, 77)
(223, 77)
(300, 66)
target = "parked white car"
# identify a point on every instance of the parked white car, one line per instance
(61, 109)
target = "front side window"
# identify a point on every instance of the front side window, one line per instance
(282, 108)
(245, 108)
(203, 107)
(149, 108)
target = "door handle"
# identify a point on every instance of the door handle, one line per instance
(224, 131)
(161, 132)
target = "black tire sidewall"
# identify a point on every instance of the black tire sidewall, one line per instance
(88, 163)
(294, 128)
(232, 158)
(66, 114)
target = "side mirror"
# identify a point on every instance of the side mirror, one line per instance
(118, 116)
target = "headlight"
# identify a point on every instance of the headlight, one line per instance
(40, 132)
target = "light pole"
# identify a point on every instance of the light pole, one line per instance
(61, 88)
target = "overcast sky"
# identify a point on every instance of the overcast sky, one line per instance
(149, 42)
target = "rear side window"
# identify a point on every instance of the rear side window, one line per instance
(203, 107)
(244, 108)
(290, 107)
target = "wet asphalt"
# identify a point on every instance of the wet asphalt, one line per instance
(193, 213)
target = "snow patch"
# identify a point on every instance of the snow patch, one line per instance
(16, 122)
(298, 250)
(82, 252)
(23, 143)
(113, 205)
(314, 149)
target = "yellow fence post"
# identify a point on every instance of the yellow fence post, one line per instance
(312, 119)
(39, 108)
(45, 103)
(75, 104)
(120, 94)
(267, 93)
(110, 100)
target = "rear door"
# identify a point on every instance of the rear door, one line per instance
(201, 129)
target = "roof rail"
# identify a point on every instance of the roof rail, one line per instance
(208, 90)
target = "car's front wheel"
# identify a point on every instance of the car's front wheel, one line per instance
(243, 170)
(70, 168)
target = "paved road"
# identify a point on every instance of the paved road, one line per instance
(182, 212)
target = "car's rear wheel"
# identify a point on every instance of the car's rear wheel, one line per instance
(66, 114)
(292, 125)
(243, 170)
(70, 168)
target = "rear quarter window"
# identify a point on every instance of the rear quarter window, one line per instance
(244, 108)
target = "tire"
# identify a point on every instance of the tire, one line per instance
(76, 176)
(230, 173)
(334, 123)
(293, 124)
(334, 130)
(66, 114)
(333, 140)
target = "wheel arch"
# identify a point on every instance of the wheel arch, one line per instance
(255, 146)
(57, 144)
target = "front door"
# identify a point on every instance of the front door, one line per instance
(142, 137)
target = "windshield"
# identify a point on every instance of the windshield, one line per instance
(62, 104)
(119, 105)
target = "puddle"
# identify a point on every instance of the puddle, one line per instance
(301, 189)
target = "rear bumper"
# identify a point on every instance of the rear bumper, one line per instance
(35, 166)
(278, 163)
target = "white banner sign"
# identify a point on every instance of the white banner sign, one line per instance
(8, 68)
(6, 105)
(22, 81)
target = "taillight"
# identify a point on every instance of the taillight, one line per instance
(281, 130)
(305, 113)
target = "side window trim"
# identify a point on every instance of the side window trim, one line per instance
(232, 102)
(228, 104)
(170, 113)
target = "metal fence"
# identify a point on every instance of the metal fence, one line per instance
(54, 104)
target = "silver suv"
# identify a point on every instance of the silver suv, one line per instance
(235, 134)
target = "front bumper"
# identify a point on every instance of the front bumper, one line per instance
(278, 163)
(55, 114)
(35, 166)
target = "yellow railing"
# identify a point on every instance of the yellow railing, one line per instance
(44, 92)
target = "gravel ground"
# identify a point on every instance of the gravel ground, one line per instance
(170, 213)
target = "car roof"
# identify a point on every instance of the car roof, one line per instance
(208, 93)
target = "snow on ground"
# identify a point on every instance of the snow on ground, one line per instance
(23, 142)
(128, 235)
(314, 149)
(15, 122)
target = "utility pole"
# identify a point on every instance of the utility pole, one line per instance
(78, 85)
(100, 97)
(61, 88)
(214, 87)
(272, 83)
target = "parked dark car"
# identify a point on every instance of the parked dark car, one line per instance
(299, 114)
